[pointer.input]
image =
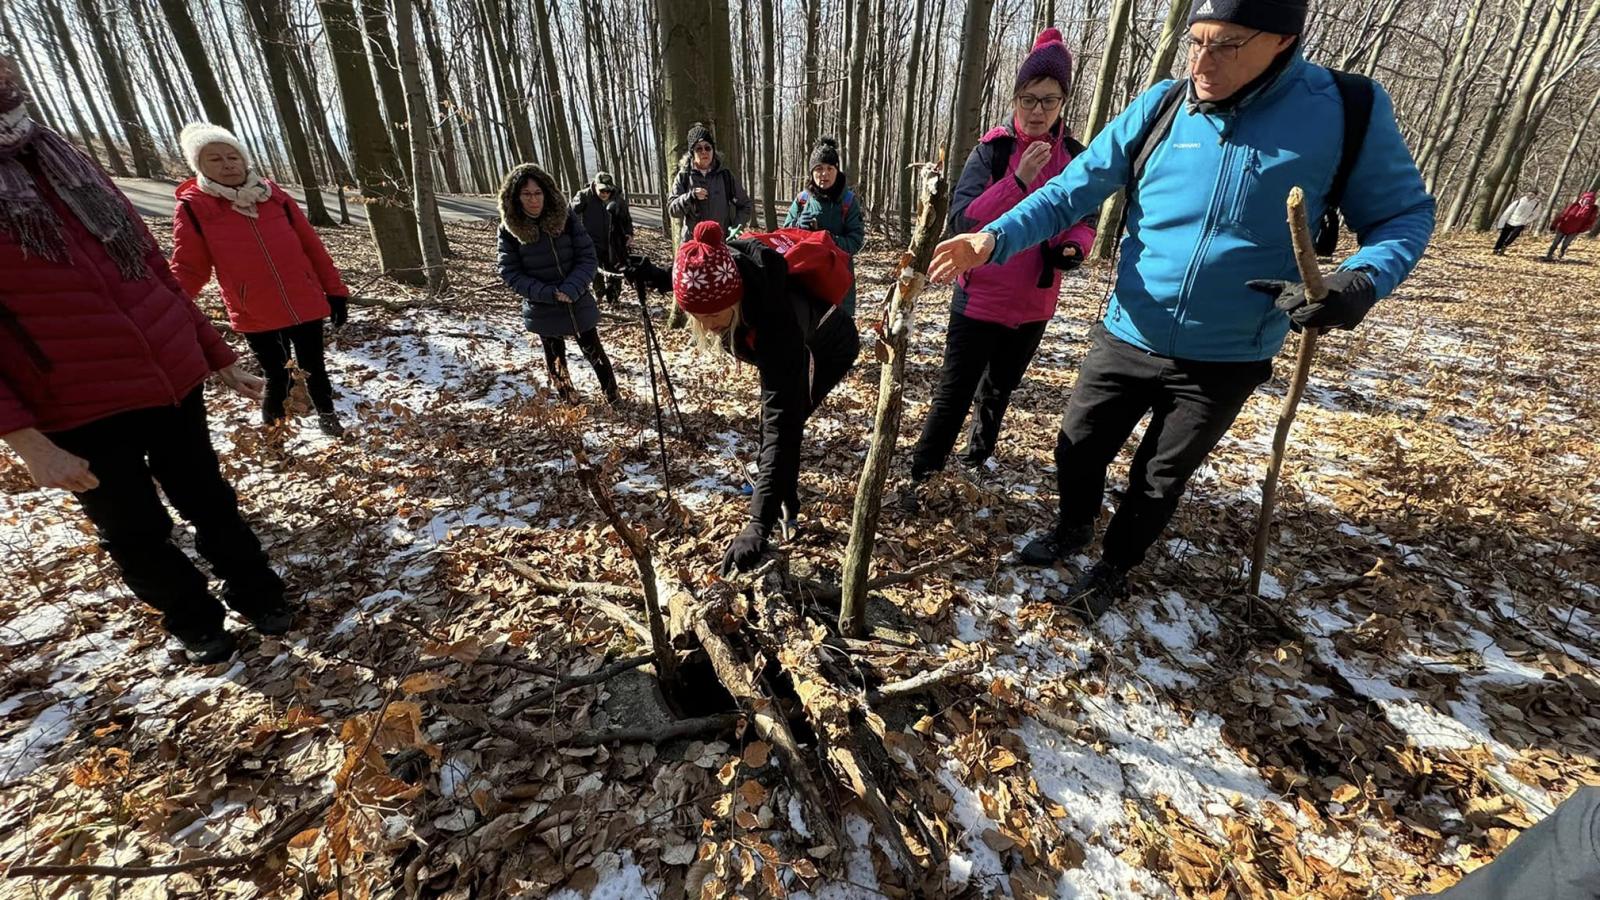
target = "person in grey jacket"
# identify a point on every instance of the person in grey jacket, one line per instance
(548, 258)
(1557, 859)
(705, 191)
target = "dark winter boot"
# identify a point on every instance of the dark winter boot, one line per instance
(273, 620)
(1097, 591)
(209, 647)
(1056, 545)
(328, 423)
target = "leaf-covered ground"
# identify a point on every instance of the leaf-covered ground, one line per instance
(1427, 688)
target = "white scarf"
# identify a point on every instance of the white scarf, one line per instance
(244, 197)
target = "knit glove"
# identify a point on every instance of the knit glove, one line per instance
(807, 221)
(1351, 295)
(339, 307)
(746, 550)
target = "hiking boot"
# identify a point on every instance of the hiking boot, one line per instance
(1097, 591)
(209, 648)
(273, 620)
(1056, 545)
(328, 423)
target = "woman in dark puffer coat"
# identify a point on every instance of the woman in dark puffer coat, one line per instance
(548, 258)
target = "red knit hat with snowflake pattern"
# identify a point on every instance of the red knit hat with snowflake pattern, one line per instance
(705, 280)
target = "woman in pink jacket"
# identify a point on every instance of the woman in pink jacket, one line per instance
(999, 313)
(278, 281)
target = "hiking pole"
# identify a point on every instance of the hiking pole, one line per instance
(1305, 257)
(655, 393)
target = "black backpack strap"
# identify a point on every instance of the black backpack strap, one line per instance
(1358, 96)
(194, 219)
(1000, 155)
(1155, 131)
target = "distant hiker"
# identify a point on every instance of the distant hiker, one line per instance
(278, 282)
(547, 257)
(705, 191)
(1575, 220)
(1515, 219)
(998, 312)
(603, 209)
(1556, 859)
(742, 301)
(1205, 291)
(828, 204)
(102, 366)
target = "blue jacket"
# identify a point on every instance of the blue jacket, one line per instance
(1209, 214)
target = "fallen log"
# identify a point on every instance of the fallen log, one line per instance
(593, 593)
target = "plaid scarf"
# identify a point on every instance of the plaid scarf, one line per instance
(83, 188)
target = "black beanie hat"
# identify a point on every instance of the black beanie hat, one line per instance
(699, 132)
(1272, 16)
(825, 153)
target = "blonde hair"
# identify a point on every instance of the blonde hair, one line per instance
(712, 343)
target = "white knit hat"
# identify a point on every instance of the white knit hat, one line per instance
(197, 135)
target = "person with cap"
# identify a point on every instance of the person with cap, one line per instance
(278, 282)
(741, 302)
(103, 359)
(1515, 220)
(1206, 286)
(1573, 221)
(828, 204)
(548, 258)
(705, 190)
(998, 312)
(603, 208)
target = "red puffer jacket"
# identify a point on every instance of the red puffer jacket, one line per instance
(273, 270)
(1579, 217)
(78, 343)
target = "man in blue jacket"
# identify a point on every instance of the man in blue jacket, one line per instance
(1207, 285)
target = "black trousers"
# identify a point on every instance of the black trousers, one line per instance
(608, 286)
(1192, 404)
(272, 349)
(1508, 236)
(1561, 243)
(983, 359)
(131, 453)
(555, 358)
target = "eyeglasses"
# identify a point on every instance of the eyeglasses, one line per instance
(702, 148)
(1222, 51)
(1048, 104)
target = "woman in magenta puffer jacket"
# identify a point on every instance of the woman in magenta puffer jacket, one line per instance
(999, 313)
(102, 363)
(278, 281)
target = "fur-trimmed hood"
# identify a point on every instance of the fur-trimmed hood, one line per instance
(552, 222)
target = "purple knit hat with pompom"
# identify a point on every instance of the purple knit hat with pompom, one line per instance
(1049, 59)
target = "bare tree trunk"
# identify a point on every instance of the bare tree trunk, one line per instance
(444, 100)
(810, 101)
(855, 124)
(1491, 121)
(1446, 103)
(769, 134)
(561, 135)
(1116, 35)
(38, 105)
(145, 165)
(1109, 232)
(966, 123)
(269, 22)
(389, 215)
(158, 69)
(1558, 188)
(907, 121)
(380, 51)
(193, 50)
(727, 120)
(421, 148)
(67, 47)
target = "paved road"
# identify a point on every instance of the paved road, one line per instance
(153, 197)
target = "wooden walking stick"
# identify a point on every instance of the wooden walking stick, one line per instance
(1305, 256)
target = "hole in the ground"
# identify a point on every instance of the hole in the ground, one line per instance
(698, 692)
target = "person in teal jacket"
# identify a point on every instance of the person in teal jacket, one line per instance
(1207, 285)
(828, 204)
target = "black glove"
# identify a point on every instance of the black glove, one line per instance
(1351, 295)
(746, 550)
(807, 222)
(642, 272)
(339, 307)
(1065, 258)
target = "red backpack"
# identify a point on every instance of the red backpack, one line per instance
(814, 259)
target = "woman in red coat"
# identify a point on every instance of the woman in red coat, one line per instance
(1575, 220)
(102, 362)
(277, 279)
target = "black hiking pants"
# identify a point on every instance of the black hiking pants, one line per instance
(272, 350)
(555, 359)
(1191, 405)
(170, 446)
(982, 359)
(1508, 236)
